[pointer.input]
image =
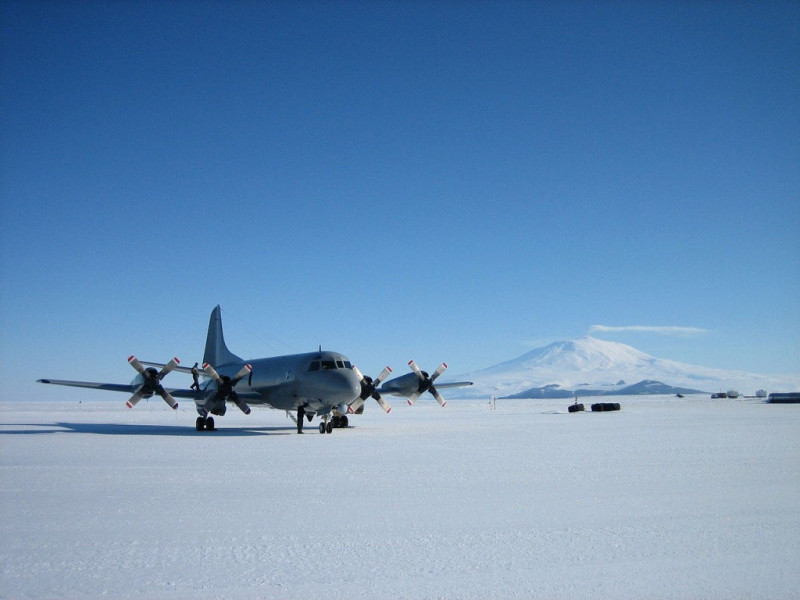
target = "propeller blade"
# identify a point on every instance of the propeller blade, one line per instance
(134, 362)
(358, 373)
(234, 397)
(413, 398)
(416, 370)
(137, 395)
(439, 371)
(355, 405)
(376, 394)
(383, 403)
(383, 375)
(211, 372)
(167, 397)
(243, 372)
(168, 367)
(439, 398)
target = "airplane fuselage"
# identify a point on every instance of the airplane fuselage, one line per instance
(319, 381)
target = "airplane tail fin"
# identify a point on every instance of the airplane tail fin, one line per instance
(217, 352)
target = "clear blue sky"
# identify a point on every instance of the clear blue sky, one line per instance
(457, 181)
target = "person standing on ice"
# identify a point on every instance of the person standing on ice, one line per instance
(195, 375)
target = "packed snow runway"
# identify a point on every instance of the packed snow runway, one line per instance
(667, 498)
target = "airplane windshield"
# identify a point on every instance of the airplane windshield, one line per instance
(326, 365)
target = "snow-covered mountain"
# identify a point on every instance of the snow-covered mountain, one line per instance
(591, 363)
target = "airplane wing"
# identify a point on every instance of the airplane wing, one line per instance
(395, 391)
(117, 387)
(453, 384)
(178, 369)
(111, 387)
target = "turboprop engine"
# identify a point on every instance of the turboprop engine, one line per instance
(369, 387)
(426, 383)
(149, 382)
(225, 384)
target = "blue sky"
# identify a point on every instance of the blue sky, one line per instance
(457, 181)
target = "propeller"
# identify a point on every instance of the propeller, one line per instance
(151, 383)
(426, 383)
(369, 387)
(225, 385)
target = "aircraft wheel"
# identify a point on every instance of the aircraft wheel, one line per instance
(343, 421)
(322, 427)
(200, 424)
(329, 427)
(210, 424)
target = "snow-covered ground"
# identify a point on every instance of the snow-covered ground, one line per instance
(667, 498)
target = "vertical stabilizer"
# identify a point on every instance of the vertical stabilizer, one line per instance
(217, 352)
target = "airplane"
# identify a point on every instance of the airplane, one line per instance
(322, 383)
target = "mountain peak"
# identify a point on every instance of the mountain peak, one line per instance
(595, 363)
(577, 355)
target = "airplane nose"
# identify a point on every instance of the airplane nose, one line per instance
(342, 385)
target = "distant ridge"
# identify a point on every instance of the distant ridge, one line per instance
(592, 366)
(645, 387)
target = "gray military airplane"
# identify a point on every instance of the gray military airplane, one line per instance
(320, 383)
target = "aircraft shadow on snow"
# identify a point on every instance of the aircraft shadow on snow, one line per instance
(137, 429)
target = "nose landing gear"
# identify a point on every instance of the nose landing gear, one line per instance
(326, 426)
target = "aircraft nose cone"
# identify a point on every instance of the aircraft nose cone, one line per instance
(343, 385)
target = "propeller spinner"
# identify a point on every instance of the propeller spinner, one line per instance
(151, 382)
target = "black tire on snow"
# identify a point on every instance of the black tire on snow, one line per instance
(605, 406)
(200, 424)
(575, 408)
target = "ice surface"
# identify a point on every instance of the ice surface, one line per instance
(667, 498)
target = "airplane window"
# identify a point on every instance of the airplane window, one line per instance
(340, 364)
(314, 366)
(328, 364)
(347, 364)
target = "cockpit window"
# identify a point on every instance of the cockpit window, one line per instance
(326, 365)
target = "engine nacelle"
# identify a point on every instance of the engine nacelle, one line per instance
(138, 381)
